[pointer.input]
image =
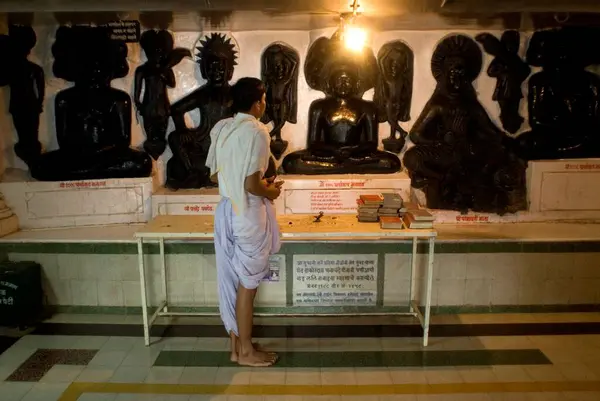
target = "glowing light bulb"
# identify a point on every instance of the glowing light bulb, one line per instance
(355, 38)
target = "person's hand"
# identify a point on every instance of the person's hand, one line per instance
(273, 191)
(279, 184)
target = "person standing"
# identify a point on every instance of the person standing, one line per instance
(246, 229)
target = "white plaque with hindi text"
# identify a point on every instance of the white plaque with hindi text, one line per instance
(335, 280)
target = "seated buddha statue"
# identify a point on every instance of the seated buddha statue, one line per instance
(342, 127)
(93, 120)
(564, 98)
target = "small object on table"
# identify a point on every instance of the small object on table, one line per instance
(392, 200)
(368, 212)
(418, 219)
(390, 223)
(318, 217)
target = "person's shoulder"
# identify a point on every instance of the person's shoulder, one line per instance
(257, 128)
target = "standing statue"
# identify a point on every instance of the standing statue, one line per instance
(393, 91)
(93, 120)
(342, 127)
(510, 71)
(280, 66)
(186, 169)
(564, 98)
(27, 88)
(460, 159)
(155, 75)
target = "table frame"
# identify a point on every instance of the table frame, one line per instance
(424, 317)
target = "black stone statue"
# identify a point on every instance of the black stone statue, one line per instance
(342, 127)
(564, 98)
(27, 87)
(393, 91)
(510, 71)
(155, 76)
(93, 120)
(459, 158)
(280, 66)
(186, 169)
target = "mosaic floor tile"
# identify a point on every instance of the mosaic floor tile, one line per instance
(365, 358)
(43, 360)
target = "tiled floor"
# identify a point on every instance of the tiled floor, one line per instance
(347, 368)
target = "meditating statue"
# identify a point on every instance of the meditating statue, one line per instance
(564, 98)
(393, 91)
(27, 87)
(510, 71)
(342, 127)
(280, 67)
(459, 158)
(155, 75)
(93, 120)
(186, 169)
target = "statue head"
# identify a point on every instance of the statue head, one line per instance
(325, 60)
(156, 44)
(280, 62)
(456, 63)
(565, 48)
(343, 81)
(87, 55)
(217, 58)
(395, 60)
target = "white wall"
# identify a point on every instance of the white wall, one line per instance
(251, 44)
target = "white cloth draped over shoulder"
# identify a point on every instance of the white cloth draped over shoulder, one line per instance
(246, 229)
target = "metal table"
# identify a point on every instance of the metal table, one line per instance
(295, 228)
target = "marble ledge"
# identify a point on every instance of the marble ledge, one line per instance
(493, 233)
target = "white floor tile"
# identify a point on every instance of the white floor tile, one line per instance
(62, 374)
(14, 391)
(130, 374)
(45, 392)
(164, 374)
(95, 374)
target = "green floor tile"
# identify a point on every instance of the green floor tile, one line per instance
(365, 358)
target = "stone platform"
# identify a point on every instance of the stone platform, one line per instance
(557, 190)
(41, 205)
(301, 194)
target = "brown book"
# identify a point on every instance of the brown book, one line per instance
(388, 210)
(410, 206)
(372, 199)
(390, 223)
(421, 215)
(410, 223)
(368, 219)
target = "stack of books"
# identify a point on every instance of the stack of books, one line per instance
(418, 219)
(368, 208)
(392, 203)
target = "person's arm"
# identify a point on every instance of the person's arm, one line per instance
(259, 187)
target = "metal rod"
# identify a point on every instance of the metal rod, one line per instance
(413, 267)
(216, 314)
(143, 291)
(158, 311)
(428, 296)
(163, 271)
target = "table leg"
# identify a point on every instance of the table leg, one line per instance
(413, 267)
(163, 270)
(428, 294)
(143, 290)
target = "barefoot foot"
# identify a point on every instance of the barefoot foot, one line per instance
(257, 359)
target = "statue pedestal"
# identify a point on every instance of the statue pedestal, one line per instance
(557, 190)
(185, 201)
(336, 193)
(301, 194)
(76, 203)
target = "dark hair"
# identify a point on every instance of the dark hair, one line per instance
(245, 93)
